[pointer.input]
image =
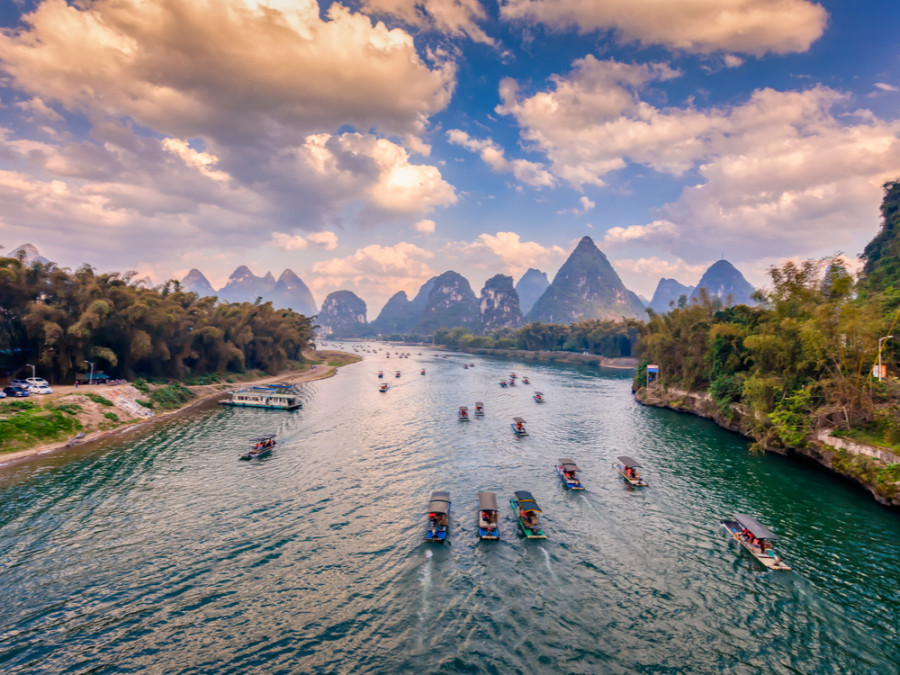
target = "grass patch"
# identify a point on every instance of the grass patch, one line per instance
(10, 407)
(141, 385)
(199, 380)
(69, 408)
(171, 396)
(28, 426)
(97, 398)
(335, 364)
(869, 437)
(111, 416)
(146, 404)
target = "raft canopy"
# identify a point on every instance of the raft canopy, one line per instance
(518, 420)
(479, 403)
(440, 502)
(487, 501)
(526, 501)
(463, 408)
(756, 528)
(629, 461)
(262, 439)
(568, 464)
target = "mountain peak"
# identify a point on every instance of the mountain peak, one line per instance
(241, 272)
(29, 254)
(723, 280)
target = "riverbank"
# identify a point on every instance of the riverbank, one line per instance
(623, 362)
(873, 469)
(104, 411)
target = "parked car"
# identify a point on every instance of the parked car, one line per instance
(2, 394)
(15, 392)
(37, 382)
(20, 383)
(40, 389)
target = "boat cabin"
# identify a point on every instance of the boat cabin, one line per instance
(568, 471)
(276, 396)
(479, 408)
(539, 397)
(518, 426)
(463, 412)
(528, 514)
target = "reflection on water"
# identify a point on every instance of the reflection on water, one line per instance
(165, 549)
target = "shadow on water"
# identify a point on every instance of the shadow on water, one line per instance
(164, 548)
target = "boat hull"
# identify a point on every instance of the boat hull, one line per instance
(571, 485)
(517, 432)
(263, 406)
(637, 482)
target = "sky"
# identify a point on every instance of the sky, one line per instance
(372, 144)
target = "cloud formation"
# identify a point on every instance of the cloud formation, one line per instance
(531, 173)
(452, 17)
(513, 255)
(783, 169)
(286, 242)
(745, 26)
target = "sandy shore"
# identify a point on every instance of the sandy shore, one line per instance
(204, 394)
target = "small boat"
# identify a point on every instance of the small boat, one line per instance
(397, 374)
(262, 446)
(423, 372)
(383, 388)
(525, 380)
(503, 383)
(471, 365)
(528, 514)
(272, 396)
(463, 414)
(568, 471)
(465, 366)
(479, 409)
(512, 376)
(756, 538)
(512, 383)
(629, 469)
(380, 374)
(538, 397)
(438, 516)
(488, 516)
(518, 426)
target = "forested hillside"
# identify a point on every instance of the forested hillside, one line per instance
(58, 319)
(803, 359)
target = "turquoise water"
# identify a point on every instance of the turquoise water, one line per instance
(164, 553)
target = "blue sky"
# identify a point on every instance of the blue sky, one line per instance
(370, 145)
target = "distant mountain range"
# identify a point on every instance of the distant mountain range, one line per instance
(586, 287)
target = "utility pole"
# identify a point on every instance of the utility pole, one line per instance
(91, 378)
(30, 365)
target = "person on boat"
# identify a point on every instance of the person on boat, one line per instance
(518, 426)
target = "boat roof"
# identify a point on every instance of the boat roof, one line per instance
(260, 439)
(539, 393)
(756, 528)
(628, 461)
(518, 420)
(439, 502)
(568, 464)
(479, 403)
(462, 407)
(526, 501)
(487, 501)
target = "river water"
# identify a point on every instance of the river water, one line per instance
(163, 553)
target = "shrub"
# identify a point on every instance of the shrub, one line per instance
(111, 416)
(97, 398)
(171, 396)
(141, 385)
(146, 404)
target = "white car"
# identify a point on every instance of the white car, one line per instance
(37, 382)
(40, 389)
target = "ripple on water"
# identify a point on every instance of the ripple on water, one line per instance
(164, 548)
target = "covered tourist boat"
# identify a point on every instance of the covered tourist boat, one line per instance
(260, 447)
(463, 414)
(383, 388)
(272, 396)
(380, 374)
(488, 516)
(438, 516)
(503, 383)
(518, 426)
(525, 380)
(397, 374)
(568, 471)
(528, 513)
(538, 397)
(629, 469)
(479, 409)
(423, 372)
(756, 538)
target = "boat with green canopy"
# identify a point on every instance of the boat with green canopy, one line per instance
(528, 513)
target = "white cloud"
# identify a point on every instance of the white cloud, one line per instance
(884, 86)
(287, 242)
(514, 255)
(376, 272)
(732, 61)
(202, 161)
(453, 17)
(425, 226)
(532, 173)
(643, 274)
(223, 69)
(783, 169)
(585, 205)
(744, 26)
(324, 240)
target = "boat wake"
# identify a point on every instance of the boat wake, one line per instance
(425, 580)
(587, 501)
(549, 567)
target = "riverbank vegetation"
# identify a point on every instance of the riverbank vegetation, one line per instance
(803, 358)
(610, 339)
(60, 320)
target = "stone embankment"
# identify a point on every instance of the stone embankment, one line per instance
(863, 464)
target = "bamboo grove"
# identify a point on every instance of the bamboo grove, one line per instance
(802, 358)
(58, 320)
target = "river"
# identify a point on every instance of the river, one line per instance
(163, 553)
